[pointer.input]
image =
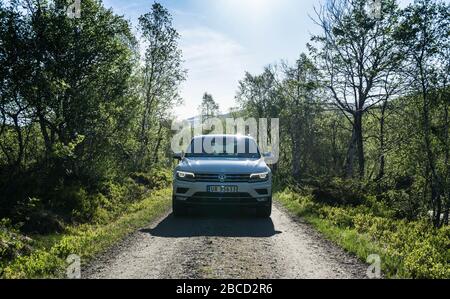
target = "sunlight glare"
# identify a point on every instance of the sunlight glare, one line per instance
(251, 10)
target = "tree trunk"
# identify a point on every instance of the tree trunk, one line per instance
(436, 180)
(149, 98)
(360, 144)
(436, 198)
(447, 211)
(18, 129)
(334, 147)
(447, 157)
(158, 144)
(382, 143)
(356, 148)
(350, 159)
(47, 140)
(296, 150)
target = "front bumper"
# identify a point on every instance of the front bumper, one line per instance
(196, 194)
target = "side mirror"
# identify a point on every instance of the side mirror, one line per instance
(267, 155)
(178, 156)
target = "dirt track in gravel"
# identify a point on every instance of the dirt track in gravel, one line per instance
(226, 246)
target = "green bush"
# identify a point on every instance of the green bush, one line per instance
(157, 178)
(39, 264)
(85, 240)
(83, 205)
(404, 204)
(419, 249)
(409, 249)
(105, 205)
(12, 243)
(134, 191)
(115, 198)
(304, 204)
(338, 192)
(34, 217)
(378, 207)
(337, 216)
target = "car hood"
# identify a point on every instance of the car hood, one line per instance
(220, 165)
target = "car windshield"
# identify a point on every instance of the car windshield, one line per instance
(228, 147)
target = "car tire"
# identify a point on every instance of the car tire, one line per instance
(178, 210)
(264, 212)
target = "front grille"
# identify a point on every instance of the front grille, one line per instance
(222, 178)
(206, 197)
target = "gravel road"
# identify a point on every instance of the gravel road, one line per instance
(226, 246)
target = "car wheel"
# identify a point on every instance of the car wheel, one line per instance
(178, 210)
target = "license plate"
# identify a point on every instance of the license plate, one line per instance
(222, 189)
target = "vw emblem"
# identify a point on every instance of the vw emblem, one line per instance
(222, 178)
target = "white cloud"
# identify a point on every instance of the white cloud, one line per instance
(209, 51)
(215, 64)
(250, 11)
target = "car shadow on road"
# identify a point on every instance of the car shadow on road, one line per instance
(219, 224)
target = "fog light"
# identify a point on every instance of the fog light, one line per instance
(262, 199)
(181, 198)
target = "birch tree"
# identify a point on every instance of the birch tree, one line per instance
(356, 53)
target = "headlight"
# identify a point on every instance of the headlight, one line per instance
(182, 175)
(259, 176)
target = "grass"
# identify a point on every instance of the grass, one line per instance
(407, 249)
(48, 258)
(346, 238)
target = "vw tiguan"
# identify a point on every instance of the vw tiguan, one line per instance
(222, 170)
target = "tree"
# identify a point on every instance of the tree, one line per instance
(300, 89)
(162, 74)
(424, 37)
(356, 55)
(258, 95)
(14, 69)
(64, 97)
(209, 108)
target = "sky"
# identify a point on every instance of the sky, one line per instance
(222, 39)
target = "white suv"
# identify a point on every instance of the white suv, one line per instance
(222, 170)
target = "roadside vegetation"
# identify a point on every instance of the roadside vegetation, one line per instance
(408, 249)
(46, 256)
(85, 129)
(364, 131)
(367, 107)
